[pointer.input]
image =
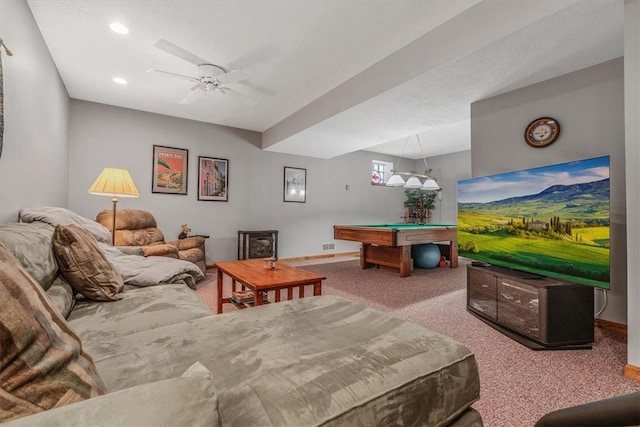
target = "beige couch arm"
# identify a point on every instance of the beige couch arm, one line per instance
(188, 243)
(164, 249)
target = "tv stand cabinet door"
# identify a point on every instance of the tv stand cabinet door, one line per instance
(518, 307)
(482, 289)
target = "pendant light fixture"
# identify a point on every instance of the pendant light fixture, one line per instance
(429, 183)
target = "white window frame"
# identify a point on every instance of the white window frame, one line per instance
(380, 168)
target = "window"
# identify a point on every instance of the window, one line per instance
(380, 172)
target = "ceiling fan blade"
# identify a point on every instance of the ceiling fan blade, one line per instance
(182, 76)
(233, 76)
(239, 96)
(198, 86)
(192, 97)
(172, 49)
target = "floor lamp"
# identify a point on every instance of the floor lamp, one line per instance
(114, 183)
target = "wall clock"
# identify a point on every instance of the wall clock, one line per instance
(542, 132)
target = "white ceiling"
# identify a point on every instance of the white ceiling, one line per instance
(331, 76)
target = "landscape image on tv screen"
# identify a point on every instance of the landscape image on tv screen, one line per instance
(551, 221)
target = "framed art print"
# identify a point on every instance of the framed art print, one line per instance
(170, 170)
(213, 179)
(295, 185)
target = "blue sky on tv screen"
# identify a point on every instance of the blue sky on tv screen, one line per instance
(531, 181)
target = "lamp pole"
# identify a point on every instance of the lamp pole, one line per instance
(113, 226)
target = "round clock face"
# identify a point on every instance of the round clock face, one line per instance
(542, 132)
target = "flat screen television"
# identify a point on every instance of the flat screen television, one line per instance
(550, 221)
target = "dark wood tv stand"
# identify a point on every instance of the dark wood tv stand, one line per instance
(538, 312)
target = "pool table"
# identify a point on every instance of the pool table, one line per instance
(390, 244)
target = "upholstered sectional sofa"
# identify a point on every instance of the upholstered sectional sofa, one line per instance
(158, 356)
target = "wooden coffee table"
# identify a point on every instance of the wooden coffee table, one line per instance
(251, 274)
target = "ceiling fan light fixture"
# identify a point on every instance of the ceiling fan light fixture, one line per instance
(209, 71)
(209, 77)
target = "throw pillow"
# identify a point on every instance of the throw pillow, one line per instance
(42, 363)
(55, 216)
(84, 265)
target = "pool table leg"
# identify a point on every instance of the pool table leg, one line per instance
(363, 256)
(406, 262)
(390, 256)
(453, 254)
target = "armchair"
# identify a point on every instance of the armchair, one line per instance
(137, 233)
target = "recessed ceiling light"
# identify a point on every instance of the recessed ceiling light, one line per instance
(117, 27)
(120, 80)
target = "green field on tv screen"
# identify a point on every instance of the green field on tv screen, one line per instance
(552, 221)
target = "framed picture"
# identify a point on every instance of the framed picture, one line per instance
(295, 185)
(213, 179)
(170, 170)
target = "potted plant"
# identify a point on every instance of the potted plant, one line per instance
(418, 205)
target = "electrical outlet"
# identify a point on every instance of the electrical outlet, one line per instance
(328, 246)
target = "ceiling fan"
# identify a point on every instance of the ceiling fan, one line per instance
(210, 78)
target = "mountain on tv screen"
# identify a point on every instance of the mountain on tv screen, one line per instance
(551, 221)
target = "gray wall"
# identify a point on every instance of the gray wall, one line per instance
(632, 145)
(34, 163)
(448, 169)
(589, 105)
(106, 136)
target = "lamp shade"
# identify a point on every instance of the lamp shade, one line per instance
(395, 181)
(413, 182)
(114, 182)
(430, 184)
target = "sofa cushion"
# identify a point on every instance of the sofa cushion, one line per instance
(84, 265)
(61, 295)
(31, 245)
(193, 255)
(42, 363)
(142, 308)
(139, 237)
(56, 216)
(127, 219)
(312, 361)
(189, 400)
(131, 250)
(133, 227)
